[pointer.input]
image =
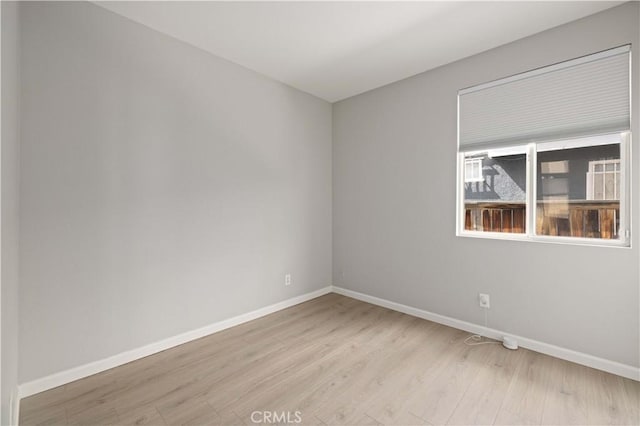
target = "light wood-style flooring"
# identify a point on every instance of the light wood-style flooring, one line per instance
(337, 360)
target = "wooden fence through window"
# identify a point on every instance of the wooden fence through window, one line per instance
(587, 219)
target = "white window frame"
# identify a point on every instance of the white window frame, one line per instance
(624, 239)
(473, 162)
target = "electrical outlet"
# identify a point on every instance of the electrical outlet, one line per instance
(484, 300)
(287, 279)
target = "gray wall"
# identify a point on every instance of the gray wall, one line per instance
(9, 153)
(163, 189)
(394, 172)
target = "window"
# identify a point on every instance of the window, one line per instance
(578, 188)
(473, 170)
(603, 180)
(544, 155)
(497, 201)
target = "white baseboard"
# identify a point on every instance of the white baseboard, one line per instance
(545, 348)
(67, 376)
(76, 373)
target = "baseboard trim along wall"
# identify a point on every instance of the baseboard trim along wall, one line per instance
(80, 372)
(545, 348)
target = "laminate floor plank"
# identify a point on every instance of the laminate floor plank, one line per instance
(395, 406)
(320, 385)
(146, 415)
(482, 400)
(188, 410)
(339, 361)
(444, 387)
(629, 407)
(383, 374)
(566, 401)
(525, 399)
(299, 389)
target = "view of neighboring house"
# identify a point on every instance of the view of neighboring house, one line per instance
(577, 191)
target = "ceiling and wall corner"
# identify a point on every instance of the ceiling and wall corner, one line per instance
(335, 50)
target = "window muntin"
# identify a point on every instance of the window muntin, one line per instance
(555, 178)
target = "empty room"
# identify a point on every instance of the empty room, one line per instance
(320, 213)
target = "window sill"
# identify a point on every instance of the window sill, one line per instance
(544, 239)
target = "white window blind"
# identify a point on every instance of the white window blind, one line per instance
(587, 95)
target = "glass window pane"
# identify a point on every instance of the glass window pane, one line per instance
(497, 201)
(598, 185)
(472, 169)
(609, 186)
(580, 199)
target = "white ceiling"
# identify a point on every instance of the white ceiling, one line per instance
(335, 50)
